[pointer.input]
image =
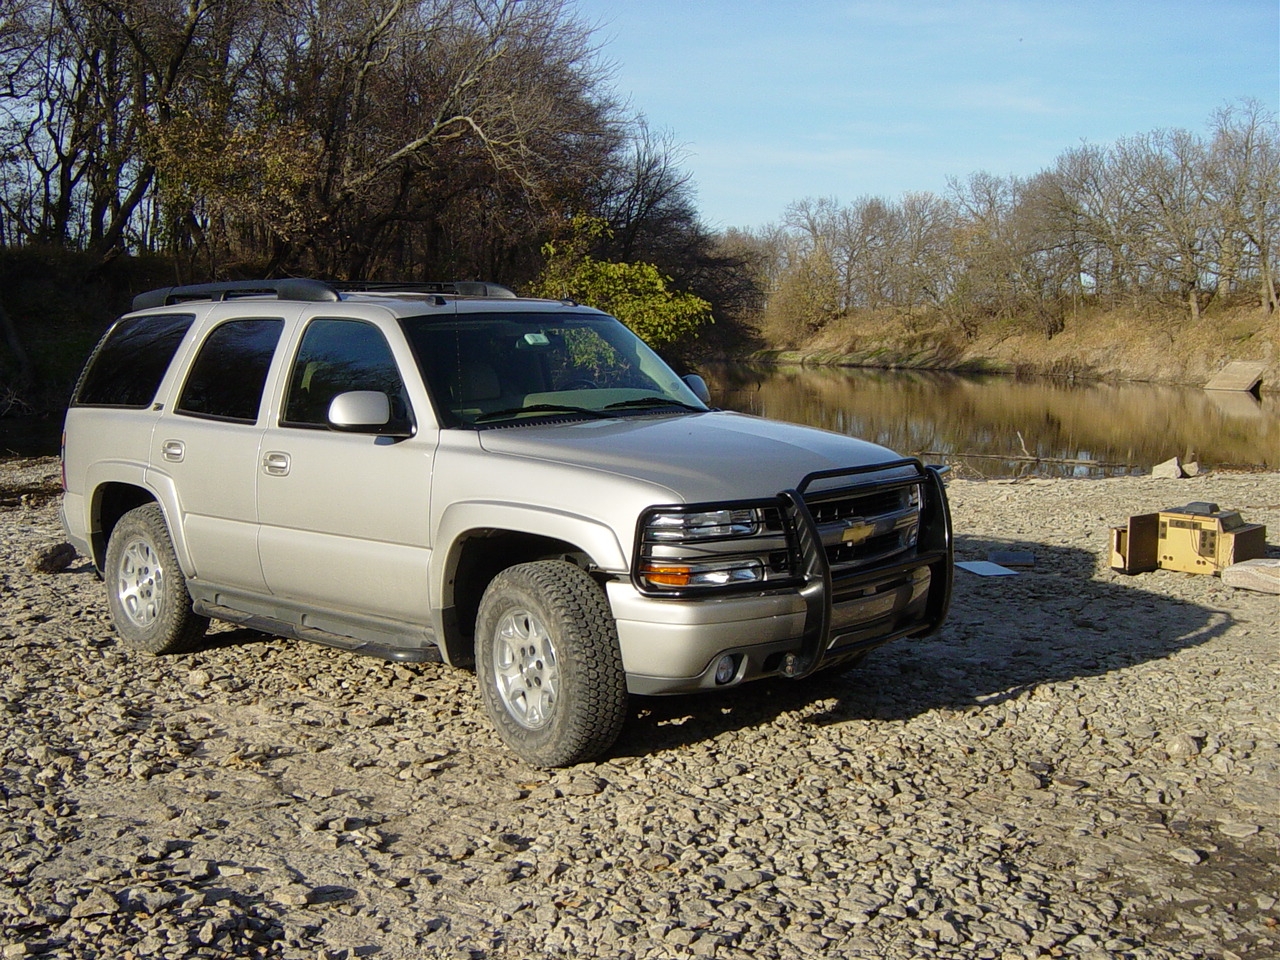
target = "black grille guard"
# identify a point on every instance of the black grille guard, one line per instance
(933, 549)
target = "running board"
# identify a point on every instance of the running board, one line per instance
(428, 653)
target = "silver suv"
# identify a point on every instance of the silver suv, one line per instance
(446, 471)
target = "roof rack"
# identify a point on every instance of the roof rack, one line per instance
(458, 288)
(308, 291)
(314, 291)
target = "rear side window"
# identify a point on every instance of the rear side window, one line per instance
(227, 379)
(129, 362)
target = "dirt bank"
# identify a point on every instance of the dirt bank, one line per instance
(1103, 346)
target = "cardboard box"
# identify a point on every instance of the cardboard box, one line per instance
(1197, 538)
(1134, 546)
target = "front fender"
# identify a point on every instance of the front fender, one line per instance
(597, 540)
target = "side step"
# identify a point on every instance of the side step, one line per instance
(429, 653)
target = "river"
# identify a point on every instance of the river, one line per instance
(996, 426)
(987, 426)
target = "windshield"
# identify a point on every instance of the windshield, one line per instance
(497, 368)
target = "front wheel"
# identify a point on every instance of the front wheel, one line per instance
(146, 589)
(548, 664)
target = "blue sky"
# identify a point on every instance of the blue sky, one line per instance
(777, 101)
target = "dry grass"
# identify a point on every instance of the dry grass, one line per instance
(1115, 345)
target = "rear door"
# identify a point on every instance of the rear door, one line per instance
(208, 446)
(344, 516)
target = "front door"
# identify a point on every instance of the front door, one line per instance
(343, 516)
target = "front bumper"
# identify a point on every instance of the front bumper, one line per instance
(674, 645)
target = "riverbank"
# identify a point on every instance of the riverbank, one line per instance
(1093, 346)
(1080, 763)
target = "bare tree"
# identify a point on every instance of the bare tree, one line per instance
(345, 137)
(1244, 186)
(647, 199)
(989, 281)
(928, 269)
(421, 106)
(812, 280)
(1097, 217)
(869, 240)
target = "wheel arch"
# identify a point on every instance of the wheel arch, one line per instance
(115, 489)
(111, 501)
(487, 539)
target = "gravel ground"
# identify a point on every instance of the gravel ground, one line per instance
(1080, 764)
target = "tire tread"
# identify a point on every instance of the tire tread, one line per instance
(179, 629)
(590, 660)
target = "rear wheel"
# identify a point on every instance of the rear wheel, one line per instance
(548, 663)
(146, 589)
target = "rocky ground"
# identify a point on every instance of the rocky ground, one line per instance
(1080, 764)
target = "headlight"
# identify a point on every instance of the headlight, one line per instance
(703, 525)
(705, 547)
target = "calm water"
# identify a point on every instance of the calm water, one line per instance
(978, 424)
(982, 425)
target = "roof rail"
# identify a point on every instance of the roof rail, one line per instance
(309, 291)
(457, 288)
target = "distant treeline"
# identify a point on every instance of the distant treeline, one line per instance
(1164, 221)
(452, 139)
(366, 139)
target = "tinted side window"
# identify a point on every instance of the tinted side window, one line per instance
(230, 371)
(336, 356)
(126, 368)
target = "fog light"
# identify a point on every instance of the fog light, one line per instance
(726, 668)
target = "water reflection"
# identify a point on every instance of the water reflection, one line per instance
(1000, 426)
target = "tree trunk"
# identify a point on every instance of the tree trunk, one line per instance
(109, 246)
(1270, 298)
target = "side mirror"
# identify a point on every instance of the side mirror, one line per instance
(365, 411)
(698, 386)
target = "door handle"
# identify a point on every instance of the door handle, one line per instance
(275, 463)
(173, 450)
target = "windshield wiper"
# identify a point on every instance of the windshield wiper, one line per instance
(654, 402)
(539, 408)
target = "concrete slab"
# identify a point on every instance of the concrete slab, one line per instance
(1243, 375)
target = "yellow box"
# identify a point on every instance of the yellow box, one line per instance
(1197, 538)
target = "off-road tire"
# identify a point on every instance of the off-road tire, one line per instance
(548, 664)
(146, 589)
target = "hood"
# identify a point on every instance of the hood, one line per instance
(700, 457)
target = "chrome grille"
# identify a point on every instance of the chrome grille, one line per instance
(862, 526)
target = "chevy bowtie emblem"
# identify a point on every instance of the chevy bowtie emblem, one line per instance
(857, 531)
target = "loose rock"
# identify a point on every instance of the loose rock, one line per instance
(1079, 763)
(52, 558)
(1169, 470)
